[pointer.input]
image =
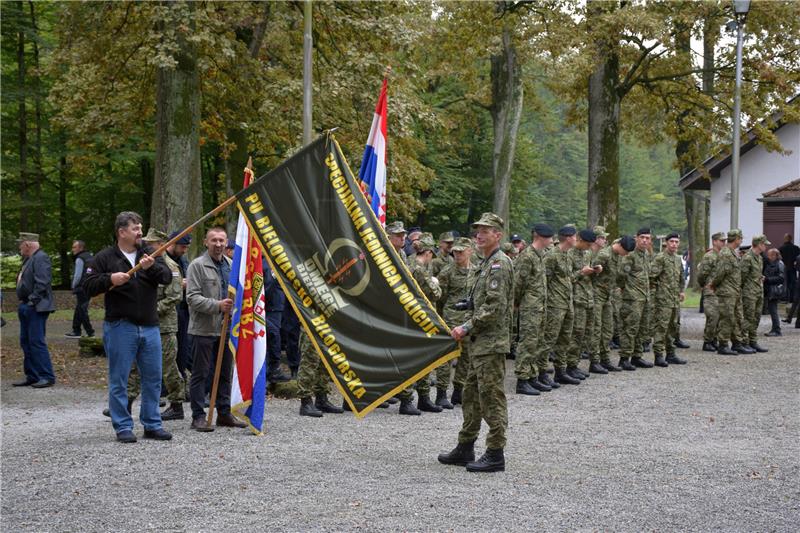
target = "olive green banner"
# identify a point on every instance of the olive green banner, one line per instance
(368, 320)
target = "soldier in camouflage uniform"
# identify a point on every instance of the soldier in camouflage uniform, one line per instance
(753, 291)
(313, 378)
(582, 300)
(704, 271)
(453, 282)
(167, 299)
(444, 256)
(726, 284)
(560, 274)
(487, 329)
(530, 297)
(666, 273)
(647, 315)
(633, 278)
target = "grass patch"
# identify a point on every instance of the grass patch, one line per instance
(692, 299)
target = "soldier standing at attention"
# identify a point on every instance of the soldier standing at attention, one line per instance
(634, 279)
(488, 328)
(530, 295)
(582, 300)
(453, 282)
(443, 257)
(726, 283)
(753, 291)
(704, 271)
(667, 274)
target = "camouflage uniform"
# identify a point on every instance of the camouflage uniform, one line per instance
(558, 323)
(442, 259)
(752, 266)
(312, 376)
(666, 273)
(453, 283)
(432, 291)
(634, 278)
(582, 304)
(488, 330)
(726, 281)
(704, 272)
(647, 315)
(530, 295)
(605, 287)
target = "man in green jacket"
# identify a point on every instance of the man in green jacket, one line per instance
(666, 274)
(710, 307)
(752, 265)
(726, 284)
(633, 278)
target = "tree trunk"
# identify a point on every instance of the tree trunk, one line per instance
(506, 111)
(603, 142)
(38, 177)
(177, 187)
(22, 117)
(64, 240)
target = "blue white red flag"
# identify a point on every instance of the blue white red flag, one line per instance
(372, 174)
(248, 336)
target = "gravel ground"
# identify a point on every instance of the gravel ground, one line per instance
(712, 445)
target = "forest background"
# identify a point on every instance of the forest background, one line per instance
(559, 111)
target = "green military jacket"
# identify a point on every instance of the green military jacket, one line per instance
(168, 297)
(560, 275)
(530, 283)
(606, 281)
(453, 280)
(489, 323)
(705, 270)
(752, 266)
(633, 276)
(430, 287)
(583, 287)
(439, 262)
(726, 280)
(666, 273)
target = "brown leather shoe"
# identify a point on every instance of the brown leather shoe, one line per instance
(199, 424)
(229, 421)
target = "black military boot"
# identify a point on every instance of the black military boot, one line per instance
(325, 406)
(407, 408)
(346, 406)
(741, 348)
(575, 372)
(463, 453)
(760, 349)
(584, 355)
(724, 350)
(709, 347)
(611, 367)
(424, 404)
(678, 343)
(441, 399)
(455, 398)
(646, 347)
(307, 408)
(675, 360)
(625, 364)
(597, 368)
(614, 344)
(491, 461)
(565, 379)
(173, 412)
(660, 361)
(545, 379)
(641, 363)
(538, 385)
(524, 387)
(393, 400)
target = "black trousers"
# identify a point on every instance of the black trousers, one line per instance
(184, 342)
(772, 307)
(290, 336)
(81, 315)
(204, 351)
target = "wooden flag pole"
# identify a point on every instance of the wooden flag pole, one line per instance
(223, 338)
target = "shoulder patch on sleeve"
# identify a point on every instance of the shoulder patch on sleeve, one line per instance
(494, 283)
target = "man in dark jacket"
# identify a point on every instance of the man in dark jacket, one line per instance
(80, 317)
(35, 295)
(789, 253)
(130, 329)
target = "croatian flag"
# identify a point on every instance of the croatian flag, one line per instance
(248, 335)
(372, 174)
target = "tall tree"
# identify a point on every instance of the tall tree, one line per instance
(22, 121)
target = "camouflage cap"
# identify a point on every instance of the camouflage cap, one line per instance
(491, 220)
(395, 227)
(447, 236)
(600, 231)
(425, 242)
(461, 244)
(153, 235)
(761, 239)
(508, 248)
(27, 237)
(734, 234)
(719, 236)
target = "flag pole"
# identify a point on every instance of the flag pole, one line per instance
(223, 337)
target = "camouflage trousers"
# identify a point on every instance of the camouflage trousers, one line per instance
(485, 399)
(462, 367)
(312, 376)
(751, 312)
(616, 305)
(649, 322)
(530, 330)
(633, 330)
(582, 325)
(730, 319)
(710, 309)
(557, 336)
(665, 329)
(176, 387)
(602, 329)
(443, 375)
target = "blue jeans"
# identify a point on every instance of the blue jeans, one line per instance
(125, 343)
(32, 333)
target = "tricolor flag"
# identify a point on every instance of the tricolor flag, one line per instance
(372, 174)
(248, 336)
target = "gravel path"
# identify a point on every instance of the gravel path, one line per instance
(712, 445)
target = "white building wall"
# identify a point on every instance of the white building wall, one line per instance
(760, 171)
